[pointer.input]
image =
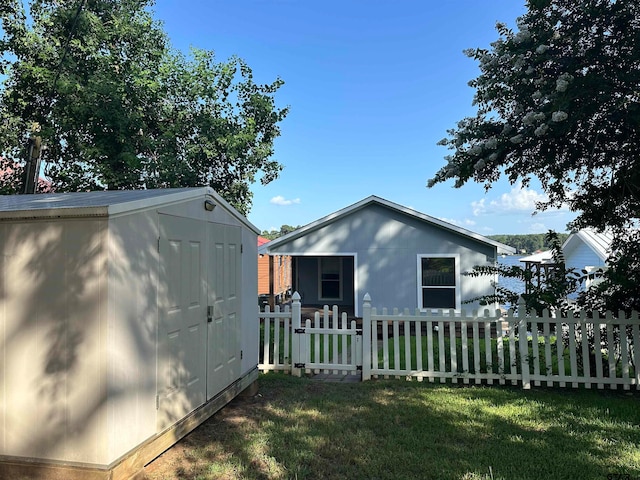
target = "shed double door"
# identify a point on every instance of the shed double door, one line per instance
(199, 319)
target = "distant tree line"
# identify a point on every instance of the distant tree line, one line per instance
(528, 243)
(273, 234)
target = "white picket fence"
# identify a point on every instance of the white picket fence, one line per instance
(466, 348)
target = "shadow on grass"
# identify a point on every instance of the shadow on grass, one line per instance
(386, 429)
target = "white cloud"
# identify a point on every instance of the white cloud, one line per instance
(467, 223)
(280, 200)
(538, 227)
(519, 199)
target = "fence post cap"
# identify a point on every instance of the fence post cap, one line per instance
(367, 297)
(295, 297)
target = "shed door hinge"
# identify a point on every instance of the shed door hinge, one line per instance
(241, 354)
(298, 365)
(158, 244)
(299, 330)
(241, 248)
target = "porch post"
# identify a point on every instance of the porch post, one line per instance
(366, 338)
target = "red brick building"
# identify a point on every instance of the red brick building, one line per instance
(275, 286)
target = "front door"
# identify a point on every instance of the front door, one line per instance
(223, 328)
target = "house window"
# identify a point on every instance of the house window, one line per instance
(439, 281)
(330, 281)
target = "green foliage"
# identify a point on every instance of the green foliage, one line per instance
(528, 243)
(558, 99)
(273, 234)
(117, 108)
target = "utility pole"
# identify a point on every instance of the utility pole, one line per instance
(32, 164)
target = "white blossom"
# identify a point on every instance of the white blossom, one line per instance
(528, 119)
(517, 139)
(475, 150)
(480, 164)
(563, 82)
(561, 85)
(537, 95)
(529, 70)
(533, 117)
(559, 116)
(522, 36)
(541, 130)
(493, 157)
(491, 143)
(542, 48)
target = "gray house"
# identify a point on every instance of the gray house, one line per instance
(401, 257)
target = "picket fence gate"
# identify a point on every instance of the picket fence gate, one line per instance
(456, 347)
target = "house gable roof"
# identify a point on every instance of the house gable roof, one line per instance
(374, 200)
(599, 242)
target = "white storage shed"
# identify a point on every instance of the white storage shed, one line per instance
(126, 319)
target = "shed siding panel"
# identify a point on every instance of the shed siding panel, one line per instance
(54, 372)
(133, 314)
(249, 301)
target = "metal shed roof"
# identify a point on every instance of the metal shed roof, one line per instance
(501, 247)
(103, 203)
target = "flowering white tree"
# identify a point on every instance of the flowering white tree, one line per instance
(559, 99)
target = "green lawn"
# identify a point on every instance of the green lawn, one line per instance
(494, 363)
(392, 429)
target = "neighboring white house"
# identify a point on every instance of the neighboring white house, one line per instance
(401, 257)
(585, 249)
(126, 319)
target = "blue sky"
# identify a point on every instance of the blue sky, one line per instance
(372, 87)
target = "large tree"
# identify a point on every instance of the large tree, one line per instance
(117, 107)
(559, 99)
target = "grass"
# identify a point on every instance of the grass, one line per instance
(494, 365)
(324, 355)
(297, 428)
